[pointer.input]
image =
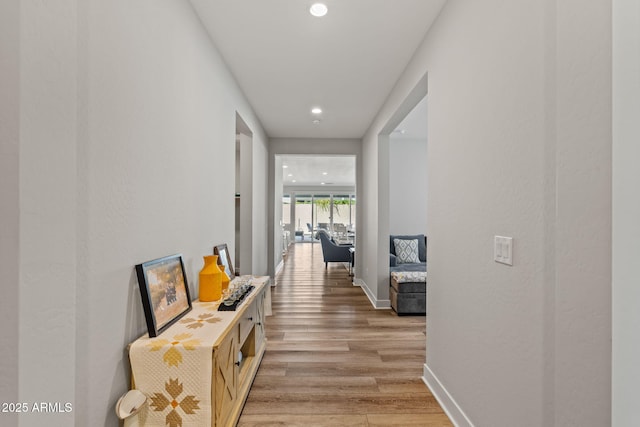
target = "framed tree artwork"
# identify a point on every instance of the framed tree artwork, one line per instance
(164, 291)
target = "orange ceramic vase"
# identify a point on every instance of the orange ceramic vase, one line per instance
(210, 280)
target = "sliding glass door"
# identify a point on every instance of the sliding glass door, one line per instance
(334, 213)
(303, 217)
(322, 212)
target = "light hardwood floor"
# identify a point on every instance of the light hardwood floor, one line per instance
(333, 360)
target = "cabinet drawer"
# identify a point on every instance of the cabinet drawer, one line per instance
(247, 322)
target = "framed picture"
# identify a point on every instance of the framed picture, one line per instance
(224, 259)
(165, 292)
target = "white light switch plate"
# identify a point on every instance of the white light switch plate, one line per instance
(503, 250)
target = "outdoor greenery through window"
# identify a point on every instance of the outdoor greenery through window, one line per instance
(334, 213)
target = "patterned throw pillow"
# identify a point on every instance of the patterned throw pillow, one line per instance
(406, 251)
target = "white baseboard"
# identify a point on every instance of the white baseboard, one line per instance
(382, 304)
(279, 268)
(448, 404)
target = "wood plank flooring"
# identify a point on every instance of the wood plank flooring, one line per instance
(333, 360)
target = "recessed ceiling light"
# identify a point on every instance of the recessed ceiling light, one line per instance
(322, 183)
(316, 110)
(324, 173)
(284, 166)
(290, 174)
(318, 9)
(293, 180)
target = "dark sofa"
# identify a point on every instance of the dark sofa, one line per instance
(408, 297)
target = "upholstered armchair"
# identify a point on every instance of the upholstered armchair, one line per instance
(332, 252)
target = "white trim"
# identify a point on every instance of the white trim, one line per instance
(279, 268)
(382, 304)
(358, 282)
(446, 401)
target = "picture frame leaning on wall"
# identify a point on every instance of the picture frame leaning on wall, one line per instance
(165, 292)
(224, 259)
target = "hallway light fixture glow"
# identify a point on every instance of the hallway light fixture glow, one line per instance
(318, 9)
(316, 110)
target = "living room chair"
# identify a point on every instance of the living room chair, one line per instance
(332, 252)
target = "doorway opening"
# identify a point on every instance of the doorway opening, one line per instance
(403, 202)
(318, 193)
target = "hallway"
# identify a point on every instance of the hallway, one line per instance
(333, 360)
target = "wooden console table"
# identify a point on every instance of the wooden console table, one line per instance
(199, 371)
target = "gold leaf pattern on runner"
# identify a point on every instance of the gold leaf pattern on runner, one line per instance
(160, 402)
(173, 419)
(157, 344)
(189, 404)
(173, 387)
(173, 356)
(199, 322)
(182, 336)
(191, 344)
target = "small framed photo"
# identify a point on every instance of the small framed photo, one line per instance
(165, 292)
(224, 259)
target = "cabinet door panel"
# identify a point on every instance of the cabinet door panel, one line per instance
(226, 377)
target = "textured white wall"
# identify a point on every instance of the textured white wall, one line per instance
(626, 211)
(126, 143)
(407, 186)
(278, 242)
(246, 204)
(583, 214)
(368, 251)
(519, 145)
(160, 152)
(9, 202)
(47, 251)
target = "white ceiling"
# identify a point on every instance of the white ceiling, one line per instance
(312, 171)
(287, 61)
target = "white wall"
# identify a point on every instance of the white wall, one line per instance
(279, 243)
(48, 206)
(519, 145)
(626, 211)
(126, 134)
(407, 186)
(9, 205)
(260, 197)
(245, 262)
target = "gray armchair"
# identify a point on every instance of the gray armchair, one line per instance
(332, 252)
